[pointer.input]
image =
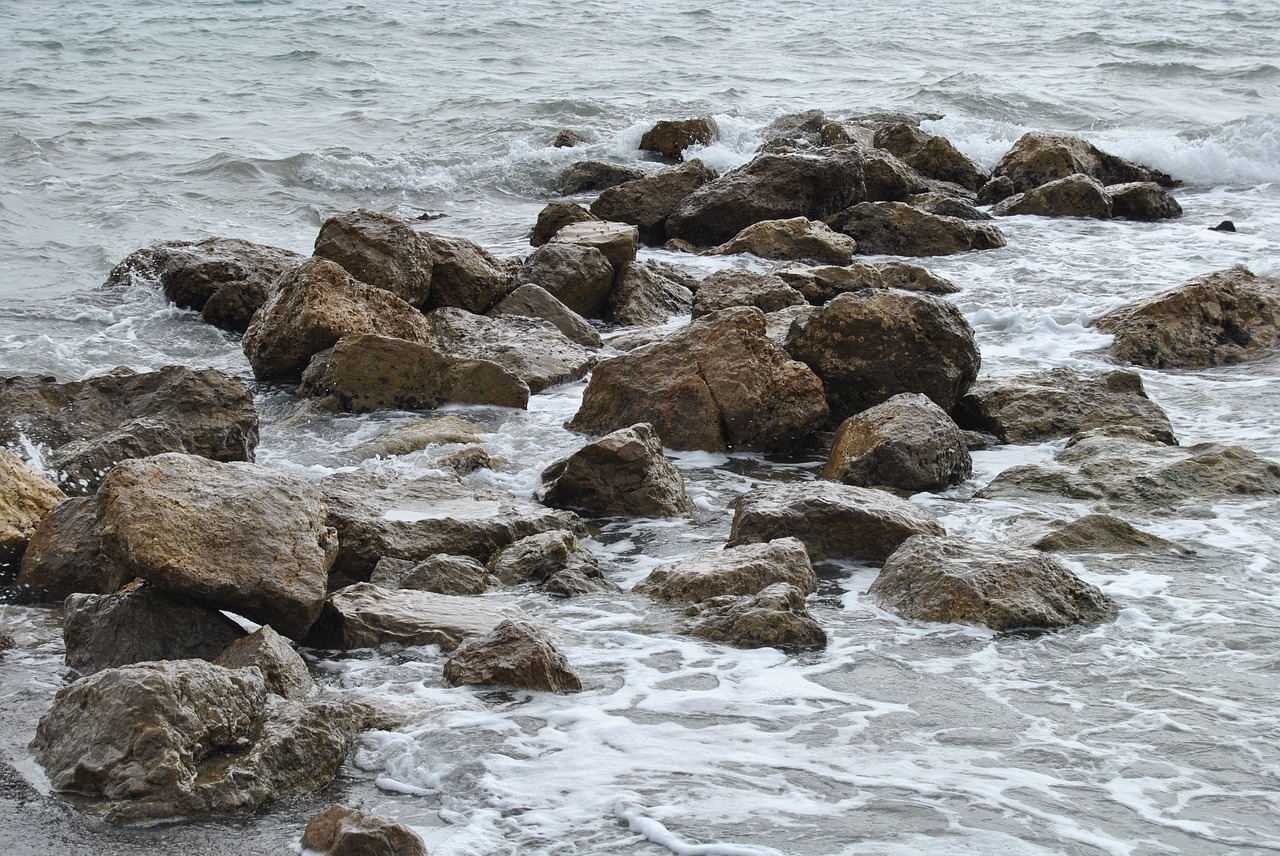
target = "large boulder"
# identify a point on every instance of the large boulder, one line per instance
(899, 229)
(818, 285)
(647, 202)
(283, 669)
(944, 579)
(1142, 200)
(1069, 196)
(1055, 403)
(718, 384)
(225, 279)
(558, 560)
(366, 616)
(736, 571)
(670, 137)
(236, 536)
(555, 216)
(869, 346)
(775, 617)
(26, 498)
(531, 349)
(931, 155)
(516, 653)
(728, 288)
(379, 250)
(906, 443)
(1221, 318)
(623, 473)
(1038, 158)
(89, 426)
(465, 275)
(580, 277)
(794, 239)
(316, 305)
(644, 296)
(594, 176)
(835, 521)
(342, 831)
(65, 556)
(534, 301)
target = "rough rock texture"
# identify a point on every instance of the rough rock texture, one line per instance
(379, 250)
(728, 288)
(26, 498)
(907, 443)
(594, 176)
(342, 831)
(568, 138)
(820, 284)
(648, 202)
(643, 295)
(957, 580)
(89, 426)
(774, 618)
(718, 384)
(440, 573)
(465, 275)
(1222, 318)
(369, 372)
(531, 349)
(1070, 196)
(1142, 200)
(1098, 533)
(1038, 158)
(558, 560)
(898, 229)
(1053, 403)
(64, 556)
(283, 670)
(225, 279)
(516, 653)
(415, 436)
(621, 474)
(580, 277)
(236, 536)
(534, 301)
(554, 217)
(670, 138)
(795, 130)
(868, 346)
(316, 305)
(366, 616)
(946, 206)
(794, 239)
(997, 189)
(931, 155)
(618, 241)
(736, 571)
(835, 521)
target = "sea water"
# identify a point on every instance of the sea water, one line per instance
(124, 124)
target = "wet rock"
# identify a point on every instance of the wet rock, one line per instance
(868, 346)
(366, 616)
(669, 138)
(718, 384)
(898, 229)
(796, 239)
(946, 206)
(618, 241)
(931, 155)
(1054, 403)
(622, 474)
(316, 305)
(889, 179)
(225, 279)
(1224, 226)
(594, 176)
(283, 670)
(534, 301)
(342, 831)
(1102, 533)
(64, 556)
(89, 426)
(554, 217)
(820, 284)
(1070, 196)
(516, 653)
(728, 288)
(774, 618)
(647, 202)
(440, 573)
(368, 372)
(1006, 588)
(835, 521)
(1038, 158)
(996, 190)
(558, 560)
(568, 138)
(795, 131)
(416, 436)
(580, 277)
(26, 498)
(531, 349)
(737, 571)
(464, 275)
(174, 520)
(1221, 318)
(379, 250)
(1142, 200)
(909, 277)
(906, 443)
(643, 296)
(466, 461)
(784, 324)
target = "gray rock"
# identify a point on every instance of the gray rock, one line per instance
(945, 205)
(439, 573)
(774, 618)
(1142, 200)
(366, 616)
(283, 670)
(516, 653)
(379, 250)
(623, 473)
(642, 295)
(342, 831)
(906, 443)
(558, 560)
(594, 176)
(898, 229)
(618, 241)
(531, 349)
(737, 571)
(534, 301)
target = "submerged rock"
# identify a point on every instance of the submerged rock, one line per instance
(342, 831)
(366, 616)
(1102, 533)
(516, 653)
(26, 498)
(622, 473)
(736, 571)
(379, 250)
(416, 436)
(899, 229)
(907, 443)
(775, 617)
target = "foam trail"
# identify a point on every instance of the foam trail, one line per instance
(654, 831)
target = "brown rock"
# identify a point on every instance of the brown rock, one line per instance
(534, 301)
(898, 229)
(728, 288)
(366, 616)
(774, 618)
(996, 190)
(618, 241)
(796, 239)
(559, 560)
(554, 217)
(946, 206)
(578, 276)
(65, 556)
(567, 139)
(440, 573)
(379, 250)
(670, 138)
(1142, 200)
(516, 653)
(1070, 196)
(1038, 158)
(416, 436)
(531, 349)
(736, 571)
(906, 443)
(621, 474)
(594, 176)
(342, 831)
(642, 295)
(931, 155)
(1103, 533)
(283, 670)
(795, 131)
(464, 275)
(648, 202)
(26, 497)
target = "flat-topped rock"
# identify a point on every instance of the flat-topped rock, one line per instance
(794, 239)
(618, 241)
(899, 229)
(366, 616)
(735, 571)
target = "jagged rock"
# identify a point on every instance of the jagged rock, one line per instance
(368, 372)
(784, 324)
(342, 831)
(558, 560)
(728, 288)
(1071, 196)
(621, 474)
(529, 348)
(417, 436)
(906, 443)
(774, 618)
(1221, 318)
(316, 305)
(797, 239)
(996, 190)
(647, 202)
(141, 623)
(225, 279)
(465, 461)
(26, 498)
(737, 571)
(898, 229)
(835, 521)
(517, 653)
(175, 519)
(534, 301)
(868, 346)
(554, 217)
(820, 284)
(956, 580)
(379, 250)
(1038, 158)
(283, 670)
(366, 616)
(580, 277)
(464, 275)
(1053, 403)
(64, 556)
(1102, 533)
(89, 426)
(718, 384)
(931, 155)
(440, 573)
(618, 241)
(889, 179)
(909, 277)
(794, 131)
(946, 206)
(594, 176)
(642, 296)
(670, 138)
(1142, 200)
(567, 139)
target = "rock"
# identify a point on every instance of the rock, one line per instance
(795, 131)
(718, 384)
(379, 250)
(225, 279)
(996, 190)
(1221, 318)
(554, 217)
(439, 573)
(784, 324)
(531, 349)
(141, 623)
(868, 346)
(283, 670)
(1224, 226)
(342, 831)
(580, 277)
(417, 436)
(931, 155)
(26, 498)
(889, 179)
(1039, 158)
(517, 653)
(594, 176)
(558, 560)
(818, 285)
(464, 275)
(728, 288)
(1142, 200)
(647, 202)
(897, 229)
(618, 241)
(946, 206)
(466, 461)
(643, 296)
(175, 520)
(906, 443)
(534, 301)
(909, 277)
(774, 618)
(89, 426)
(6, 643)
(669, 138)
(944, 579)
(737, 571)
(65, 556)
(1054, 403)
(368, 372)
(567, 139)
(366, 616)
(622, 474)
(1071, 196)
(316, 305)
(1102, 533)
(796, 239)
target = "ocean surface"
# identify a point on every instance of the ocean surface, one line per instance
(124, 124)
